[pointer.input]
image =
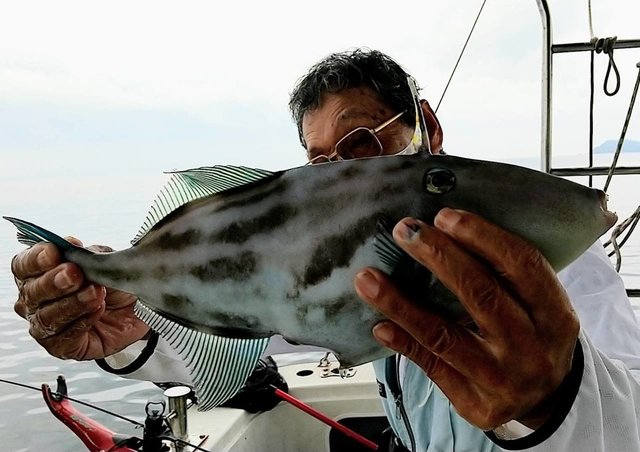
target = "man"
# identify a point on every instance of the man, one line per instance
(551, 366)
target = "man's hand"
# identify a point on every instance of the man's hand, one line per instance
(69, 316)
(510, 367)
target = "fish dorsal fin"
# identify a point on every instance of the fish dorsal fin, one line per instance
(189, 185)
(219, 366)
(387, 249)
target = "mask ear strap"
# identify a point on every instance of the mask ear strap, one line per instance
(421, 123)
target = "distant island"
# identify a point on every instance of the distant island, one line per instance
(609, 147)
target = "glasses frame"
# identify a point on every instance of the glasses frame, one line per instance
(335, 155)
(419, 141)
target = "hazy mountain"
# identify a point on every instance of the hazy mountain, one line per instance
(609, 146)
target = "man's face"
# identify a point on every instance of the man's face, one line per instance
(340, 113)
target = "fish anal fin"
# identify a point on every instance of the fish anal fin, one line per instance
(219, 366)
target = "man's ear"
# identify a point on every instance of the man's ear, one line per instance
(433, 127)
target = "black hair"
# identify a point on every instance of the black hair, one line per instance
(352, 69)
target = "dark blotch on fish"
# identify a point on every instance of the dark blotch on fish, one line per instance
(253, 197)
(336, 251)
(242, 231)
(331, 308)
(116, 274)
(237, 269)
(402, 165)
(238, 326)
(387, 190)
(175, 300)
(351, 171)
(168, 241)
(161, 272)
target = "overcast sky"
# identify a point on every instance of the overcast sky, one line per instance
(147, 86)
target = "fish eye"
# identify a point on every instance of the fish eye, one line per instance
(439, 181)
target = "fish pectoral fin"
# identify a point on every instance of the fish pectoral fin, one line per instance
(188, 185)
(219, 366)
(387, 249)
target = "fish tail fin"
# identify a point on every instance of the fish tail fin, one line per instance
(29, 234)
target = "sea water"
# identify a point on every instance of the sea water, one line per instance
(108, 209)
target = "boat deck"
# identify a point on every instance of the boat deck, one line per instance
(286, 427)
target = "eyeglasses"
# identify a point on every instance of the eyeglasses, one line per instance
(363, 142)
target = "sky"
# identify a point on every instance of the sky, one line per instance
(141, 87)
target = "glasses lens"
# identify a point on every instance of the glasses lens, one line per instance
(358, 144)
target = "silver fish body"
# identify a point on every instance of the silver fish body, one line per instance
(279, 254)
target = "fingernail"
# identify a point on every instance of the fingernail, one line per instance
(407, 229)
(87, 294)
(383, 332)
(446, 219)
(367, 284)
(62, 280)
(43, 259)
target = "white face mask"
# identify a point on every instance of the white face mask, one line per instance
(420, 139)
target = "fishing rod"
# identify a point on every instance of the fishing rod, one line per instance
(324, 418)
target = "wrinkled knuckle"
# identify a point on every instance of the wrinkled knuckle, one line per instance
(26, 295)
(18, 264)
(74, 275)
(435, 254)
(20, 308)
(411, 349)
(484, 293)
(34, 330)
(528, 256)
(14, 265)
(433, 368)
(442, 340)
(39, 329)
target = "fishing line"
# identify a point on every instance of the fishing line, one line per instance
(460, 56)
(87, 404)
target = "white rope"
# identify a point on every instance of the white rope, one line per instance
(590, 21)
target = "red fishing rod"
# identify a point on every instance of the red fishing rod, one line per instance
(324, 418)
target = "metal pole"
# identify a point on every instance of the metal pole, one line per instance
(547, 77)
(587, 46)
(178, 413)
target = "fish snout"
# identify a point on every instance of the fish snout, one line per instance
(610, 217)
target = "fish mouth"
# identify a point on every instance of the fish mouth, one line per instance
(610, 217)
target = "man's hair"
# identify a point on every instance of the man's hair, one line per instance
(352, 69)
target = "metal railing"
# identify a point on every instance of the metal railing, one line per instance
(549, 49)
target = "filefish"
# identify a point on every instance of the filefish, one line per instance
(229, 256)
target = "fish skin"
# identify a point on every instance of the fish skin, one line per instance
(280, 255)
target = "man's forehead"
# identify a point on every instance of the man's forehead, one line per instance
(348, 104)
(352, 94)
